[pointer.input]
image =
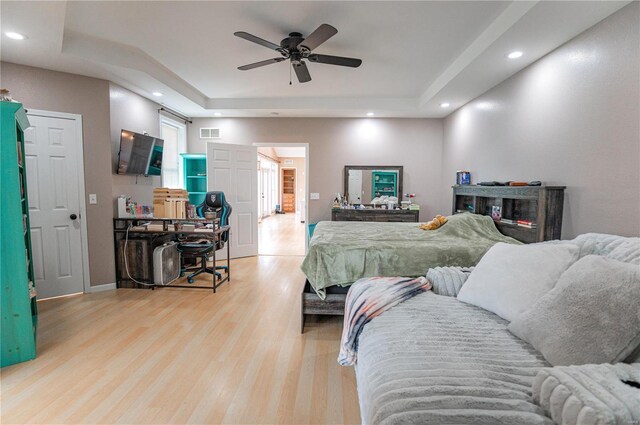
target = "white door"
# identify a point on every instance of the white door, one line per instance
(264, 200)
(52, 164)
(232, 169)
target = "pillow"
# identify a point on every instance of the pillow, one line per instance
(591, 316)
(510, 278)
(447, 281)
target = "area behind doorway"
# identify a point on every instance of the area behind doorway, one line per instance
(282, 197)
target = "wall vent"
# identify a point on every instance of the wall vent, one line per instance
(209, 133)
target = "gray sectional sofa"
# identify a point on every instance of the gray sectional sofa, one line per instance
(436, 360)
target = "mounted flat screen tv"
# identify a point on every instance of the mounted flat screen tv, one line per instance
(139, 154)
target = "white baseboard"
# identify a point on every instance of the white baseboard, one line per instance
(103, 287)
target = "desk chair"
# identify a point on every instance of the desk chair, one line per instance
(213, 202)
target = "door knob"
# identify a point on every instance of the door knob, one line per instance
(73, 216)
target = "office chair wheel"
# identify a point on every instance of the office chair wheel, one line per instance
(190, 280)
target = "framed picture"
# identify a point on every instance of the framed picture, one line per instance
(463, 177)
(496, 212)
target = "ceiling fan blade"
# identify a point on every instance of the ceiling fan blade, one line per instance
(302, 72)
(335, 60)
(319, 36)
(257, 40)
(259, 64)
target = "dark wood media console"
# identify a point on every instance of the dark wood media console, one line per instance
(540, 205)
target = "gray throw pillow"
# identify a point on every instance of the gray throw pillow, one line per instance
(448, 280)
(592, 315)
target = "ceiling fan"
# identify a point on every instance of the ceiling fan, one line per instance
(296, 48)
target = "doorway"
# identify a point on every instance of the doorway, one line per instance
(55, 177)
(283, 192)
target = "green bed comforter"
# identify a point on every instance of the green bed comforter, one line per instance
(341, 252)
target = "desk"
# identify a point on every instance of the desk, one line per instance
(143, 242)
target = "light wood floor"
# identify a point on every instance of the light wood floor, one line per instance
(185, 356)
(282, 234)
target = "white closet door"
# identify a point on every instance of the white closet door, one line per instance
(232, 169)
(54, 205)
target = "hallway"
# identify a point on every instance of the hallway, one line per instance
(281, 234)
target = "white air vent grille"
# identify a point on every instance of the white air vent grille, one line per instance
(209, 133)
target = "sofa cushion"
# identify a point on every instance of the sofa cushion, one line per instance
(436, 360)
(448, 280)
(627, 251)
(591, 316)
(510, 278)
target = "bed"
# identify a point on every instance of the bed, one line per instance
(341, 252)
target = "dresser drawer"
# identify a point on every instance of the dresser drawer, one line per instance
(375, 215)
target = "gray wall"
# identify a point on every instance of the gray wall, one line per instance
(336, 142)
(130, 111)
(54, 91)
(106, 109)
(571, 118)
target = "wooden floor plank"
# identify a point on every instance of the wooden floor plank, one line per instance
(185, 356)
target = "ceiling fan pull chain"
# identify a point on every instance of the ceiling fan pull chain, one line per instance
(290, 75)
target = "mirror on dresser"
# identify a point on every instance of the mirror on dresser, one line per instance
(362, 183)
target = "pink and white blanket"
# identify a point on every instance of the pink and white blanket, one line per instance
(368, 298)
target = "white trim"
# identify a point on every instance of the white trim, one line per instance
(86, 275)
(103, 287)
(306, 179)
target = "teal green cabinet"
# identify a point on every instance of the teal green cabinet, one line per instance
(384, 183)
(195, 176)
(19, 309)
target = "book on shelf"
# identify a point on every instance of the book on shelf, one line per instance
(32, 290)
(20, 154)
(526, 223)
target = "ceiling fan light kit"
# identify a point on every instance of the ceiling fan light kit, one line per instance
(297, 49)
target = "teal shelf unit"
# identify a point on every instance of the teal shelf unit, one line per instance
(19, 308)
(384, 183)
(194, 167)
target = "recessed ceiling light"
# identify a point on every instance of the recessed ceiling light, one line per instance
(15, 35)
(156, 94)
(217, 114)
(514, 55)
(370, 114)
(444, 105)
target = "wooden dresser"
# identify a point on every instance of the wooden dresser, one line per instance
(377, 214)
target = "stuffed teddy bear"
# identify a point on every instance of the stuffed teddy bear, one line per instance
(438, 221)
